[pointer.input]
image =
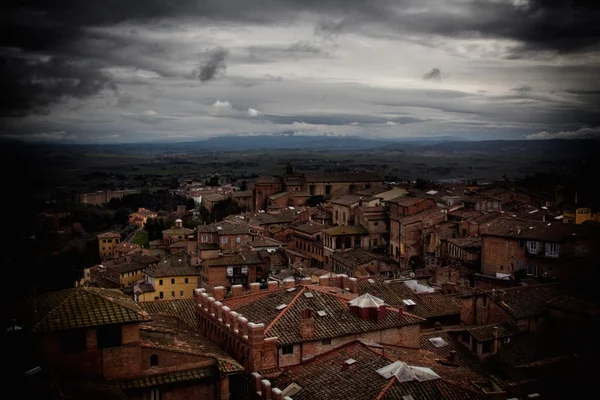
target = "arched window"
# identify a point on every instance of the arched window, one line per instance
(154, 360)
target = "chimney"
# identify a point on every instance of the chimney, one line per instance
(273, 285)
(344, 283)
(306, 281)
(452, 357)
(236, 290)
(495, 343)
(401, 313)
(381, 312)
(265, 389)
(219, 293)
(254, 287)
(289, 282)
(307, 324)
(178, 223)
(324, 280)
(353, 285)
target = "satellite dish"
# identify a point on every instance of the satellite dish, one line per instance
(412, 275)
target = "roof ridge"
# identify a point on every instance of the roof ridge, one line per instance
(278, 317)
(123, 304)
(385, 389)
(68, 295)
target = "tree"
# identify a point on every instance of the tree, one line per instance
(213, 181)
(121, 216)
(190, 204)
(315, 200)
(225, 208)
(244, 185)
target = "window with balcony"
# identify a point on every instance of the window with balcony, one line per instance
(551, 250)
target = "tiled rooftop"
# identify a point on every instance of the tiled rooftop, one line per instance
(173, 265)
(355, 257)
(346, 230)
(84, 307)
(343, 177)
(128, 267)
(109, 235)
(486, 332)
(327, 376)
(347, 200)
(528, 301)
(284, 323)
(245, 258)
(185, 309)
(310, 228)
(437, 389)
(406, 201)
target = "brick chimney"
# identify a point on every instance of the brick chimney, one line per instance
(353, 285)
(306, 281)
(272, 285)
(324, 280)
(380, 313)
(307, 324)
(289, 282)
(219, 293)
(495, 342)
(236, 290)
(254, 287)
(178, 223)
(401, 313)
(452, 357)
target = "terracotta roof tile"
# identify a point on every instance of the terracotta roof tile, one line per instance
(84, 307)
(184, 309)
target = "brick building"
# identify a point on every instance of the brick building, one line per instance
(411, 233)
(538, 248)
(140, 216)
(398, 208)
(176, 239)
(105, 343)
(103, 197)
(229, 235)
(307, 239)
(242, 268)
(311, 184)
(343, 238)
(287, 326)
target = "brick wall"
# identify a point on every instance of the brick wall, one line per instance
(169, 358)
(122, 362)
(498, 254)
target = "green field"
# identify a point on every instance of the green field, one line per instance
(141, 238)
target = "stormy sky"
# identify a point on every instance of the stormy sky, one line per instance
(127, 71)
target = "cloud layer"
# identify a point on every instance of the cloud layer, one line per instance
(144, 70)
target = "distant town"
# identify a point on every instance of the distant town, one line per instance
(294, 285)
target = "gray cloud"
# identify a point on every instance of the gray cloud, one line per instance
(215, 64)
(31, 86)
(434, 75)
(522, 89)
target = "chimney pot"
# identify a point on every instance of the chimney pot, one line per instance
(273, 285)
(288, 283)
(254, 287)
(236, 290)
(452, 357)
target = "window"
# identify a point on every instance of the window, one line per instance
(73, 341)
(155, 394)
(533, 270)
(327, 190)
(160, 282)
(521, 243)
(173, 294)
(204, 238)
(109, 336)
(181, 293)
(336, 215)
(154, 360)
(238, 240)
(224, 239)
(104, 241)
(326, 342)
(486, 347)
(160, 294)
(289, 349)
(186, 280)
(343, 217)
(102, 247)
(519, 265)
(311, 188)
(532, 247)
(172, 281)
(551, 250)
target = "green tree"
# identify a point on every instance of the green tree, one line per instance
(244, 185)
(224, 208)
(315, 200)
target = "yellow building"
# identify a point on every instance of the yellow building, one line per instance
(581, 215)
(107, 242)
(173, 278)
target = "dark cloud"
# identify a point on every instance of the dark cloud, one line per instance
(434, 75)
(304, 47)
(31, 86)
(522, 89)
(213, 65)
